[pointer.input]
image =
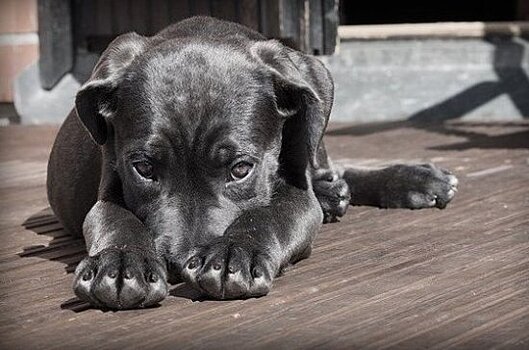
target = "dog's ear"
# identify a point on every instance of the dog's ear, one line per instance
(303, 92)
(96, 100)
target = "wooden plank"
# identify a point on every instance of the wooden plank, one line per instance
(160, 14)
(140, 16)
(453, 278)
(55, 41)
(122, 13)
(316, 27)
(201, 7)
(224, 9)
(330, 26)
(270, 18)
(178, 10)
(249, 13)
(301, 24)
(290, 16)
(102, 18)
(304, 26)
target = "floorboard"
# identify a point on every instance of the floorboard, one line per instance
(378, 279)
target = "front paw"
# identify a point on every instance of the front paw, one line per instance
(121, 279)
(418, 186)
(226, 269)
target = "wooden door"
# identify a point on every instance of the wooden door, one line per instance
(68, 26)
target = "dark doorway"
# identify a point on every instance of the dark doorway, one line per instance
(406, 11)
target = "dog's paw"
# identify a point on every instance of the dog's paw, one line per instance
(334, 195)
(230, 270)
(418, 186)
(121, 279)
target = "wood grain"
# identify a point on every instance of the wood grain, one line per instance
(379, 279)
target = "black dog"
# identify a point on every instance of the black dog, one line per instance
(196, 155)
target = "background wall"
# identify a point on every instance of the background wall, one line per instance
(431, 79)
(19, 45)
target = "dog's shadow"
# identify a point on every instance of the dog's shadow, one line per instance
(70, 251)
(63, 247)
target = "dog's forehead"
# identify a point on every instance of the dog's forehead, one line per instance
(196, 81)
(201, 73)
(213, 94)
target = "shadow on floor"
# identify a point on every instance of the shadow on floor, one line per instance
(182, 290)
(63, 247)
(515, 140)
(70, 251)
(518, 139)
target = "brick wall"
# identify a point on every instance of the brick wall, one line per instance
(19, 45)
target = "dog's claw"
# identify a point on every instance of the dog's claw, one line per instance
(333, 195)
(153, 278)
(418, 186)
(223, 271)
(120, 279)
(87, 275)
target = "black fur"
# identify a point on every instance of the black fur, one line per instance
(187, 105)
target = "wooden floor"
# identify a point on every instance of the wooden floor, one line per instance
(453, 278)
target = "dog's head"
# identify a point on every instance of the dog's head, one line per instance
(193, 132)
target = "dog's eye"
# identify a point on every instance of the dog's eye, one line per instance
(145, 169)
(241, 170)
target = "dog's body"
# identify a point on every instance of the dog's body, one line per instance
(196, 154)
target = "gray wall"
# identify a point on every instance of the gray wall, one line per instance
(431, 79)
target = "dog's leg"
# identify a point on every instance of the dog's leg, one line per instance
(401, 186)
(331, 190)
(254, 249)
(122, 270)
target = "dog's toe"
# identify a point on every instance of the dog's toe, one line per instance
(452, 180)
(225, 270)
(419, 186)
(118, 279)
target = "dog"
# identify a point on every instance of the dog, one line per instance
(196, 155)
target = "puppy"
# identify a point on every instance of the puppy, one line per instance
(197, 155)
